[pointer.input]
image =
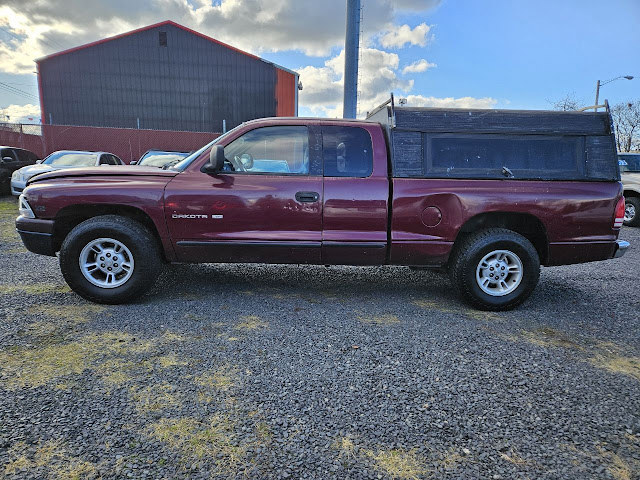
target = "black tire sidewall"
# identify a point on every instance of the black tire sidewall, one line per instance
(133, 236)
(476, 251)
(635, 221)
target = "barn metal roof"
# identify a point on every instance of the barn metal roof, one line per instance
(149, 27)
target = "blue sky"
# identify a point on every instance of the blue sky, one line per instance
(507, 54)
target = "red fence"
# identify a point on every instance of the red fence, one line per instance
(128, 144)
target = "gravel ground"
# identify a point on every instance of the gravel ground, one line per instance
(244, 371)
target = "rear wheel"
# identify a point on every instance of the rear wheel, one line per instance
(495, 269)
(110, 259)
(632, 211)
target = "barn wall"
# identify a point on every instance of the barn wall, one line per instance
(191, 84)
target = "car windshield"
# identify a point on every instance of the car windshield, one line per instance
(71, 159)
(629, 163)
(160, 159)
(187, 161)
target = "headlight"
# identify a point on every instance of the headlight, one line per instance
(17, 176)
(24, 208)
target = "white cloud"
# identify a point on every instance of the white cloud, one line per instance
(450, 102)
(21, 113)
(323, 86)
(43, 27)
(418, 67)
(400, 35)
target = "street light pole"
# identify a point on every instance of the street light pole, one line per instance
(599, 84)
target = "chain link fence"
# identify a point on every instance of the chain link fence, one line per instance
(128, 144)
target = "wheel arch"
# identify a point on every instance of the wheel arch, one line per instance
(630, 193)
(72, 215)
(526, 224)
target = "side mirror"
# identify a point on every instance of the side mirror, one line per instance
(216, 160)
(39, 160)
(133, 162)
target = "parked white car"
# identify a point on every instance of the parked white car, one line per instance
(60, 160)
(630, 174)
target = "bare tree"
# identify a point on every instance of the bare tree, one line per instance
(626, 119)
(567, 103)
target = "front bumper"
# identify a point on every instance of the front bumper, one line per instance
(621, 248)
(37, 235)
(17, 187)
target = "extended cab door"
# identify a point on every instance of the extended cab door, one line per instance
(266, 206)
(356, 195)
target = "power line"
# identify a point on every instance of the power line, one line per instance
(17, 91)
(55, 47)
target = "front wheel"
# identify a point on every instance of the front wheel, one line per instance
(632, 211)
(495, 269)
(110, 259)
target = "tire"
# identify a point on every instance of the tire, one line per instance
(483, 248)
(632, 205)
(117, 238)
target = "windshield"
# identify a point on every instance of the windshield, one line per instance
(629, 163)
(160, 159)
(71, 159)
(187, 161)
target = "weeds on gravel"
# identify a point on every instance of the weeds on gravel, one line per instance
(156, 397)
(515, 458)
(53, 457)
(399, 464)
(102, 353)
(474, 314)
(346, 447)
(194, 439)
(34, 289)
(223, 378)
(251, 322)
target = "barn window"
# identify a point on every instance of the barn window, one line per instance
(162, 38)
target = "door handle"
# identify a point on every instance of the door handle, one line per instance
(307, 197)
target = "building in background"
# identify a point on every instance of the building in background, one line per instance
(162, 77)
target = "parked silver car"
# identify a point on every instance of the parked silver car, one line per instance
(59, 160)
(630, 173)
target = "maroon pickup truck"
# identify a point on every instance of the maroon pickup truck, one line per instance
(489, 195)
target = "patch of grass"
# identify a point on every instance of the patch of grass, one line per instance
(474, 314)
(9, 206)
(380, 319)
(156, 397)
(618, 467)
(399, 464)
(171, 360)
(34, 289)
(223, 378)
(18, 464)
(615, 363)
(33, 367)
(194, 439)
(251, 322)
(72, 313)
(345, 446)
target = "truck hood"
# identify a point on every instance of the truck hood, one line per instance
(629, 179)
(105, 171)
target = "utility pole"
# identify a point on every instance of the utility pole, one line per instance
(351, 49)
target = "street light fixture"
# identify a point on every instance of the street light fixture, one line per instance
(599, 84)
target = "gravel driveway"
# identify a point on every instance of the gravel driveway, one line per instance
(247, 371)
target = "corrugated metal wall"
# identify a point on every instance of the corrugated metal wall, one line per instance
(190, 84)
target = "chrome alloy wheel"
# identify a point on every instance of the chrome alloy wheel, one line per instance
(499, 273)
(106, 263)
(629, 212)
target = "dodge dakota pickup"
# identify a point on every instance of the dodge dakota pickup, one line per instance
(489, 195)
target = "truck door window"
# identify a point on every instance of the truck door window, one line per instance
(276, 150)
(347, 152)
